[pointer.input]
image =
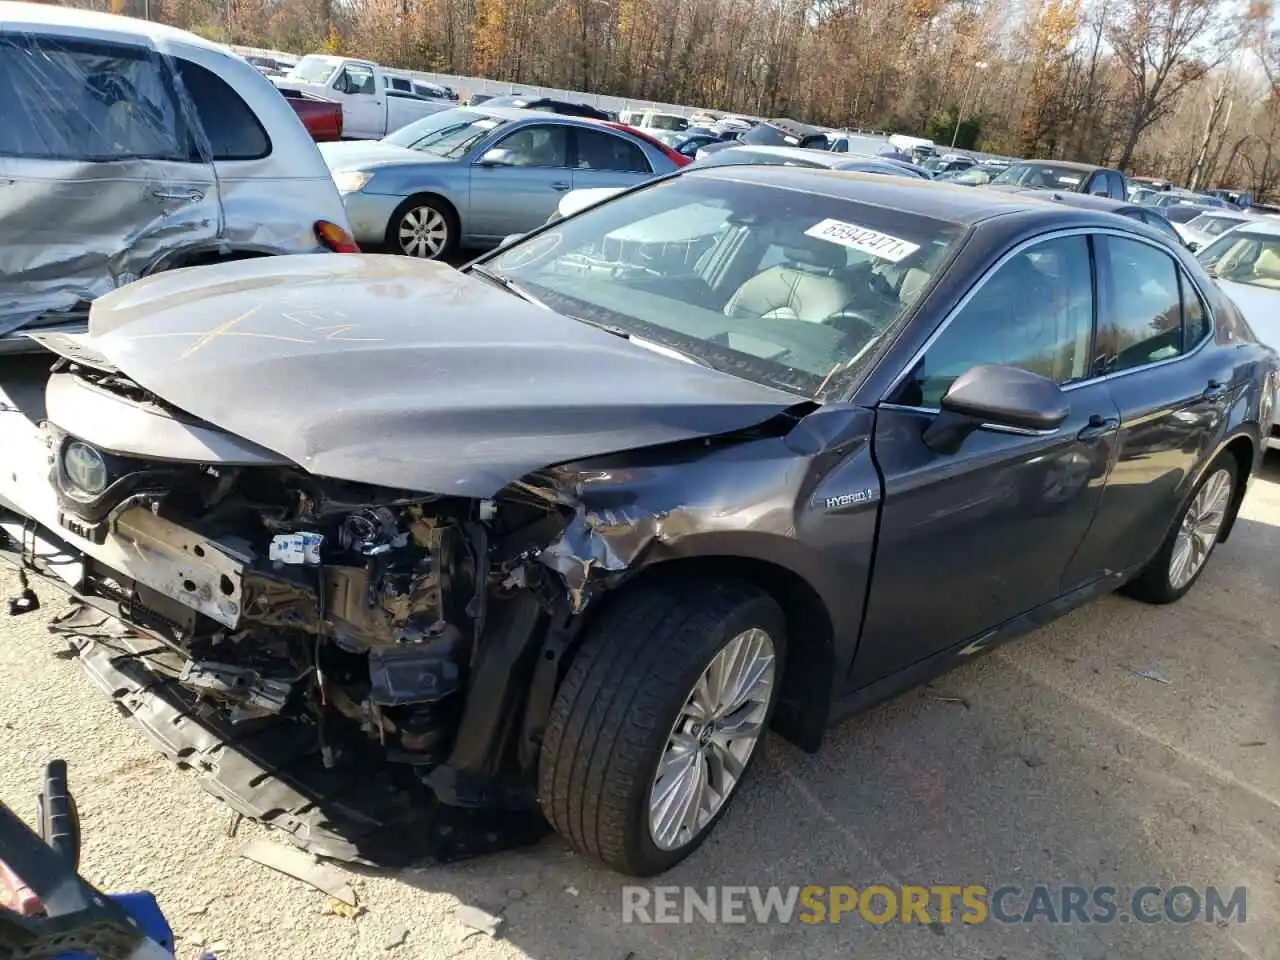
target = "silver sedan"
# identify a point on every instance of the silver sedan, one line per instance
(470, 177)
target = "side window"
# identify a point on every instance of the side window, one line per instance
(231, 127)
(355, 79)
(1098, 185)
(85, 100)
(1195, 315)
(604, 151)
(1143, 320)
(1118, 187)
(538, 145)
(400, 83)
(1034, 312)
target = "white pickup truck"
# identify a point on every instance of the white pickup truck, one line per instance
(372, 107)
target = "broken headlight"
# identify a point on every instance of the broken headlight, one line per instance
(85, 470)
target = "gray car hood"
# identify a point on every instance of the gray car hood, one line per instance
(405, 373)
(362, 154)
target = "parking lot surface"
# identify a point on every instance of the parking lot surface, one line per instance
(1125, 745)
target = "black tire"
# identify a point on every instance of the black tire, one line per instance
(616, 708)
(1153, 584)
(424, 207)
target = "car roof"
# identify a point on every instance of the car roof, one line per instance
(1064, 164)
(917, 197)
(15, 14)
(824, 157)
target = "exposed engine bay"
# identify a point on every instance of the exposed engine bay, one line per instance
(304, 597)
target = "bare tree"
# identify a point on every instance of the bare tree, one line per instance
(1163, 46)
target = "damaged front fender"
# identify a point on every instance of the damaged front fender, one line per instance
(760, 500)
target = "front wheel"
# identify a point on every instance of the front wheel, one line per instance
(1183, 555)
(661, 713)
(423, 227)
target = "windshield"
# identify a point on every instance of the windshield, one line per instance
(450, 133)
(666, 121)
(314, 69)
(1244, 257)
(786, 288)
(1212, 225)
(1042, 176)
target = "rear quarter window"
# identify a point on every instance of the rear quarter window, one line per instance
(231, 127)
(65, 99)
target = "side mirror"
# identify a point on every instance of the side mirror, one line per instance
(999, 395)
(497, 157)
(342, 83)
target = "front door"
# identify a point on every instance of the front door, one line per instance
(364, 111)
(524, 189)
(1172, 397)
(973, 538)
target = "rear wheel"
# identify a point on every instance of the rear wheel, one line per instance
(658, 720)
(1185, 552)
(423, 227)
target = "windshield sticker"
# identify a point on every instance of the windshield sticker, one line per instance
(791, 141)
(1070, 181)
(861, 238)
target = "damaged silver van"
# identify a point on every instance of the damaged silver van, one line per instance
(129, 148)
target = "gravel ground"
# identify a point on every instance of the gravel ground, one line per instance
(1048, 761)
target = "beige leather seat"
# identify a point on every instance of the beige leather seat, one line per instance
(1267, 266)
(802, 287)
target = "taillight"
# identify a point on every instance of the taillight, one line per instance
(335, 238)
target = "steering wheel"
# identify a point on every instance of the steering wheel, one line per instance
(854, 324)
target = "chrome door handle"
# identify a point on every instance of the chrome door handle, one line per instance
(191, 196)
(1215, 390)
(561, 186)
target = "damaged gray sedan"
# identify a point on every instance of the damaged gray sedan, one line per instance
(414, 562)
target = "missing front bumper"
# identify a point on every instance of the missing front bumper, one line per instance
(362, 810)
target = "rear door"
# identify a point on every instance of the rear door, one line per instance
(99, 170)
(601, 158)
(971, 539)
(1172, 394)
(521, 193)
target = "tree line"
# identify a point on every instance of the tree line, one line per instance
(1185, 89)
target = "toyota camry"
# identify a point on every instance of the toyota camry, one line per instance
(416, 562)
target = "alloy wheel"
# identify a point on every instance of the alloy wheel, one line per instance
(712, 739)
(1199, 529)
(423, 232)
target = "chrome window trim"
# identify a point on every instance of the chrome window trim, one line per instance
(1042, 238)
(993, 427)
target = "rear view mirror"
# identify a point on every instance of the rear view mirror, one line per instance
(999, 395)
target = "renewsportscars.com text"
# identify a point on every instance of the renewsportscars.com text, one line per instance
(945, 904)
